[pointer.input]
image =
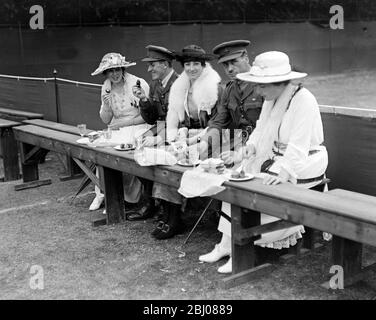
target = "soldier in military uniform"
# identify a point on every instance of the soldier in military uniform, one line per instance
(236, 118)
(240, 106)
(153, 110)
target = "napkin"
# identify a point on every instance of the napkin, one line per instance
(154, 156)
(198, 183)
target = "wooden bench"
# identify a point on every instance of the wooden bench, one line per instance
(18, 115)
(9, 150)
(341, 216)
(73, 171)
(348, 253)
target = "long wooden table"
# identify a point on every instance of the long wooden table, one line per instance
(73, 171)
(342, 216)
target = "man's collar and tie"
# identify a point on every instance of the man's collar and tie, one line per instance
(165, 80)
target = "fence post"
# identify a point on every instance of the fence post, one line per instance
(57, 98)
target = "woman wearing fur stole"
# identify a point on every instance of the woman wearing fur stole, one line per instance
(192, 101)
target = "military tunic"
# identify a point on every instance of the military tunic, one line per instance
(239, 108)
(155, 108)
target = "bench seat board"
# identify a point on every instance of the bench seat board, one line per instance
(18, 114)
(8, 123)
(354, 220)
(54, 126)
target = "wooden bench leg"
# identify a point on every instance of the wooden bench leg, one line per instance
(73, 170)
(30, 156)
(113, 195)
(243, 251)
(347, 254)
(10, 155)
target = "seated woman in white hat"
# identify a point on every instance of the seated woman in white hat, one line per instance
(119, 110)
(286, 146)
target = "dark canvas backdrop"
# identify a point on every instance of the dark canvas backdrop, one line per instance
(76, 51)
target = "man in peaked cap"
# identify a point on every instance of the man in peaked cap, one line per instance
(153, 109)
(240, 106)
(238, 111)
(159, 61)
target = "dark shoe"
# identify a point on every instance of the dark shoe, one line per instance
(158, 228)
(146, 212)
(173, 226)
(165, 231)
(161, 213)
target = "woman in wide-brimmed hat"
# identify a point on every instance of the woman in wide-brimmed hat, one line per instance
(192, 101)
(286, 145)
(119, 110)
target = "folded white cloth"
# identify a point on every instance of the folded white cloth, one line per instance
(154, 156)
(198, 183)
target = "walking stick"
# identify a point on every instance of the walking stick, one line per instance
(198, 220)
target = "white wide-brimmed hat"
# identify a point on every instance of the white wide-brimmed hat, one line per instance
(112, 60)
(271, 67)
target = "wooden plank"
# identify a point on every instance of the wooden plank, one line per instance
(354, 112)
(264, 228)
(354, 195)
(89, 173)
(29, 170)
(8, 123)
(243, 252)
(32, 184)
(347, 254)
(73, 170)
(246, 276)
(19, 114)
(10, 154)
(113, 194)
(55, 126)
(99, 222)
(345, 217)
(309, 238)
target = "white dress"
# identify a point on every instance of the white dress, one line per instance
(125, 106)
(302, 155)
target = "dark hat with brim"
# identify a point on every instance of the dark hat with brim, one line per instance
(193, 52)
(156, 53)
(230, 50)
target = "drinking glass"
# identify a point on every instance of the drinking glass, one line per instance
(193, 155)
(107, 133)
(81, 129)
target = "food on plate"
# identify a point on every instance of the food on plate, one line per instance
(186, 162)
(179, 146)
(213, 165)
(93, 136)
(126, 146)
(237, 175)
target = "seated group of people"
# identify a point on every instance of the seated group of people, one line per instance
(262, 118)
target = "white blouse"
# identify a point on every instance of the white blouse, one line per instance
(300, 133)
(124, 105)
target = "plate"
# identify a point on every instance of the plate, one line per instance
(123, 149)
(83, 140)
(184, 164)
(247, 177)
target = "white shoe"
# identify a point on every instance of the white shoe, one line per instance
(217, 254)
(104, 211)
(227, 267)
(95, 205)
